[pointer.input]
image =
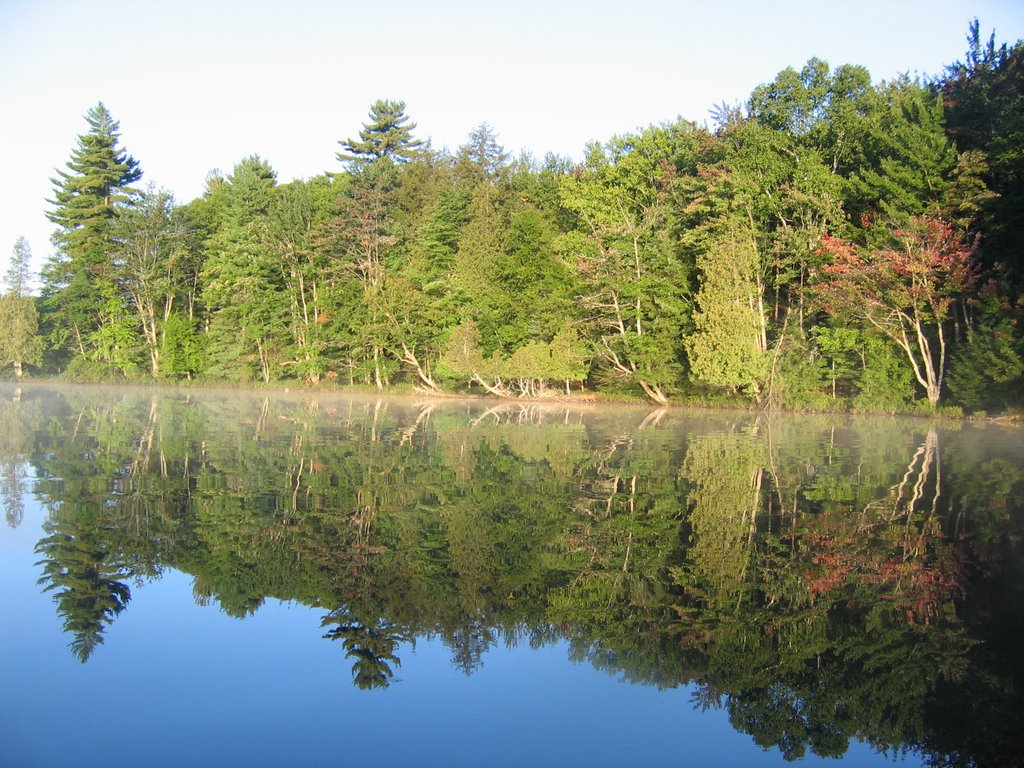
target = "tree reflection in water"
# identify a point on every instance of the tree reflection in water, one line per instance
(822, 579)
(371, 648)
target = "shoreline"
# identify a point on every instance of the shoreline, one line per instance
(1008, 417)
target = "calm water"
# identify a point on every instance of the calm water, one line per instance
(209, 578)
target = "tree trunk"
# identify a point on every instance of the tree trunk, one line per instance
(409, 356)
(376, 369)
(654, 392)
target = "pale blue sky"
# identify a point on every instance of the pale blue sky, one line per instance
(198, 85)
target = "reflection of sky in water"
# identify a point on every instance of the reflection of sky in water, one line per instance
(176, 684)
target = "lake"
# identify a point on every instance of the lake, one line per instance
(212, 578)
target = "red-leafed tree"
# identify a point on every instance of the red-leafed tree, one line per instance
(904, 291)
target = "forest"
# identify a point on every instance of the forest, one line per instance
(831, 244)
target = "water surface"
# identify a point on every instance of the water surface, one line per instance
(213, 578)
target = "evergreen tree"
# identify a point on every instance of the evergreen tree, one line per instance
(439, 237)
(87, 196)
(388, 136)
(984, 97)
(19, 323)
(913, 169)
(78, 567)
(19, 272)
(728, 347)
(481, 158)
(242, 284)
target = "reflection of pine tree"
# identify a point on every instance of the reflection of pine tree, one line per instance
(371, 647)
(88, 592)
(12, 486)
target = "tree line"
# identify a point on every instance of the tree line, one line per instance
(832, 243)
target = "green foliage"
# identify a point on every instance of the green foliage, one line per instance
(801, 379)
(689, 264)
(463, 357)
(526, 372)
(440, 236)
(242, 284)
(19, 271)
(635, 283)
(181, 350)
(985, 115)
(914, 168)
(20, 342)
(569, 356)
(154, 267)
(988, 370)
(87, 197)
(838, 346)
(114, 343)
(388, 136)
(885, 382)
(826, 111)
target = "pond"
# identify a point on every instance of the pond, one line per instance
(219, 578)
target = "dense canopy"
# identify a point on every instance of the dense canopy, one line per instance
(677, 263)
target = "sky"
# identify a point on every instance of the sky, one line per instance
(198, 85)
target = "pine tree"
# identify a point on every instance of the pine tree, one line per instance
(87, 196)
(481, 158)
(242, 284)
(19, 323)
(388, 135)
(984, 99)
(20, 270)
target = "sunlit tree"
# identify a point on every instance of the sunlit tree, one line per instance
(905, 292)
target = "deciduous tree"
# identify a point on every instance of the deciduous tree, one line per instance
(635, 285)
(904, 291)
(148, 275)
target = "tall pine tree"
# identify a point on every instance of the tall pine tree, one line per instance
(388, 135)
(86, 198)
